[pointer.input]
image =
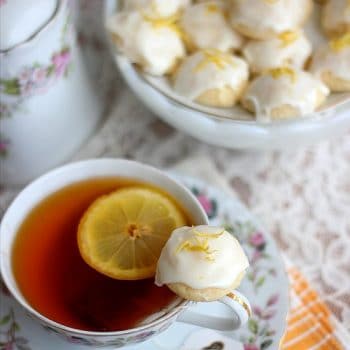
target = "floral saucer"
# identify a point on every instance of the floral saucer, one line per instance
(265, 285)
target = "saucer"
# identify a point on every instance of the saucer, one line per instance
(265, 285)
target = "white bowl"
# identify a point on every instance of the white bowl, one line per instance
(227, 132)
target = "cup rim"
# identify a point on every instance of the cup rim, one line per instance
(16, 293)
(37, 33)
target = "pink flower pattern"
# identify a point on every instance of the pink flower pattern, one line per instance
(4, 143)
(35, 79)
(257, 239)
(61, 61)
(209, 205)
(205, 202)
(251, 347)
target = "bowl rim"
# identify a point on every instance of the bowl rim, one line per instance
(317, 116)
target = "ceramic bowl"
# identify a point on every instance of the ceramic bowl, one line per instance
(219, 127)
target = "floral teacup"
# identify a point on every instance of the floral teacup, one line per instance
(179, 310)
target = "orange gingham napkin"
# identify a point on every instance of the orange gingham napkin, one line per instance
(311, 326)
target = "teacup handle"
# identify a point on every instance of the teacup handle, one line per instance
(241, 311)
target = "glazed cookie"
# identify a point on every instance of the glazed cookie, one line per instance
(202, 263)
(157, 8)
(153, 44)
(283, 93)
(212, 78)
(265, 19)
(336, 17)
(205, 26)
(287, 49)
(331, 63)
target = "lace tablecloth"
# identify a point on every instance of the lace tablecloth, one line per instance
(302, 196)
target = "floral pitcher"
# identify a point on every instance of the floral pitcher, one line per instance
(47, 103)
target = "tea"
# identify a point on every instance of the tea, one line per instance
(56, 281)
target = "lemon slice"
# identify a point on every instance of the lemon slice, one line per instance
(122, 234)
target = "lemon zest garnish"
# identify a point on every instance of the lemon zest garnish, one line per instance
(288, 37)
(158, 22)
(170, 23)
(197, 244)
(218, 58)
(208, 234)
(212, 8)
(193, 246)
(200, 243)
(340, 43)
(277, 73)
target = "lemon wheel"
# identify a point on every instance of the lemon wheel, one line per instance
(122, 234)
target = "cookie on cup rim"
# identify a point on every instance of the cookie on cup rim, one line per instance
(201, 263)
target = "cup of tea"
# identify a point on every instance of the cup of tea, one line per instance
(42, 267)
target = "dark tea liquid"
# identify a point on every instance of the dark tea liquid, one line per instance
(57, 282)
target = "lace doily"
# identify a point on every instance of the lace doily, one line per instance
(303, 197)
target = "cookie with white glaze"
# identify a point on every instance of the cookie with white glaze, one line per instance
(153, 44)
(216, 259)
(335, 18)
(156, 8)
(212, 78)
(265, 19)
(290, 48)
(331, 63)
(206, 26)
(284, 93)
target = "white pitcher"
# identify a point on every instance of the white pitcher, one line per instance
(48, 105)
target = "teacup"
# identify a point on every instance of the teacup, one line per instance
(179, 311)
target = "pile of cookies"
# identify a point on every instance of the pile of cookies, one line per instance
(253, 52)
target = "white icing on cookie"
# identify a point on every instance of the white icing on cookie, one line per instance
(156, 8)
(201, 257)
(155, 45)
(262, 16)
(336, 15)
(209, 69)
(206, 26)
(334, 58)
(287, 49)
(282, 87)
